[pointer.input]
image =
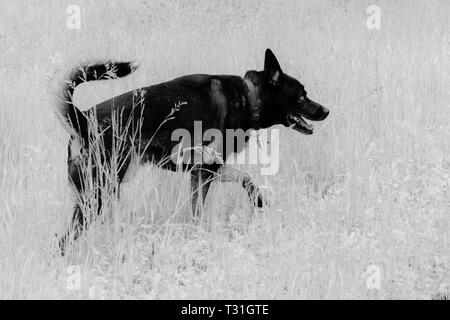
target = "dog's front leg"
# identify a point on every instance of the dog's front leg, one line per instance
(229, 174)
(200, 181)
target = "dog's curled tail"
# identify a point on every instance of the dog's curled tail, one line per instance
(73, 116)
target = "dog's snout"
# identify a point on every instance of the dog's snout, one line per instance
(321, 113)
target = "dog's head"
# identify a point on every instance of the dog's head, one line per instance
(286, 100)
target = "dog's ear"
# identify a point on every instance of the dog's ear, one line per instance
(272, 68)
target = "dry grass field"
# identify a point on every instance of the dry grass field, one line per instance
(359, 210)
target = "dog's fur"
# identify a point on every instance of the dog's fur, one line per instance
(259, 100)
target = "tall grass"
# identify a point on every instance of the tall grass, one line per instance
(369, 191)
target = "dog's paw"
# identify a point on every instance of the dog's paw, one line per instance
(196, 221)
(59, 248)
(261, 202)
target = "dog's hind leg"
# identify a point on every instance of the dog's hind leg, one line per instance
(200, 182)
(77, 226)
(82, 216)
(229, 174)
(79, 221)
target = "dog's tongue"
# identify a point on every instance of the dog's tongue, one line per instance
(304, 124)
(301, 122)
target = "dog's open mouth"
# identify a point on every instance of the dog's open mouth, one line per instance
(296, 122)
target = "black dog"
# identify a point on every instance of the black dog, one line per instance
(259, 100)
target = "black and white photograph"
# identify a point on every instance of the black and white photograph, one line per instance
(224, 150)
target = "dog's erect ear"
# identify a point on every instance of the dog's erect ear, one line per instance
(272, 68)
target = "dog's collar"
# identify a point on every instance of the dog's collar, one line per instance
(254, 101)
